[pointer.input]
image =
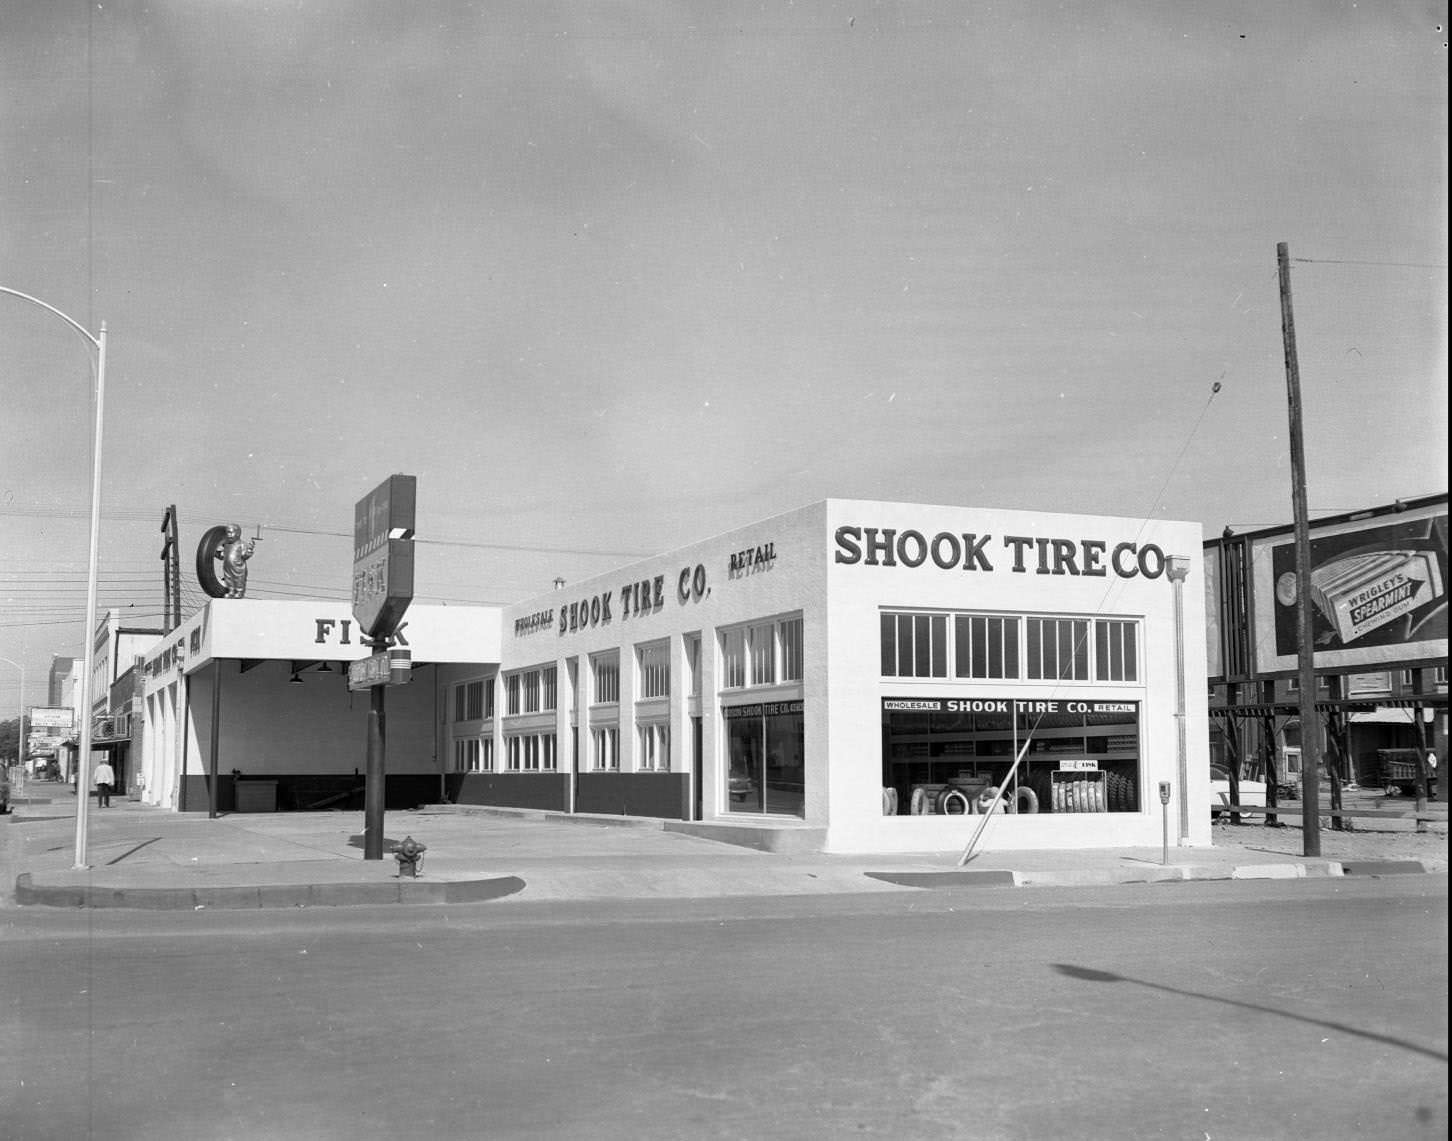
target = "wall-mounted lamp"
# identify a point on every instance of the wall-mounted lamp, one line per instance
(325, 668)
(294, 680)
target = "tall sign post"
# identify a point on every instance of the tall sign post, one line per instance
(383, 523)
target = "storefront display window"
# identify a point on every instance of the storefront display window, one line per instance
(767, 760)
(949, 754)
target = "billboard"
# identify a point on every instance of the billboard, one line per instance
(1214, 655)
(1378, 591)
(51, 718)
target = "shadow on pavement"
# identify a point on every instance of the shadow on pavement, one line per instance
(1090, 975)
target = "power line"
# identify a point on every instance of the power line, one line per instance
(136, 517)
(472, 546)
(1347, 261)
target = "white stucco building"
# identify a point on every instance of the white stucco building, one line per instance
(854, 676)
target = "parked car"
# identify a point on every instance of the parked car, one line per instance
(1252, 792)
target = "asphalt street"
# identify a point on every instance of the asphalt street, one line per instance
(1221, 1010)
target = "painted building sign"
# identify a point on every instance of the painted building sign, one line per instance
(1002, 705)
(753, 560)
(636, 599)
(761, 709)
(1019, 554)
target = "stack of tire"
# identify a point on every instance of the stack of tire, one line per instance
(1122, 793)
(1115, 793)
(1082, 795)
(953, 800)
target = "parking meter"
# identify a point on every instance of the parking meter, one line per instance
(1165, 814)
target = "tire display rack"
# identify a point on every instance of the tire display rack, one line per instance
(1042, 791)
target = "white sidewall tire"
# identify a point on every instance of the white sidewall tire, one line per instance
(918, 805)
(1025, 800)
(949, 796)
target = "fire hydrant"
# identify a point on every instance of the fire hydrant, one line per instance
(409, 855)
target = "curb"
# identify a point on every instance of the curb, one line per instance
(1103, 877)
(1384, 867)
(978, 878)
(262, 896)
(545, 815)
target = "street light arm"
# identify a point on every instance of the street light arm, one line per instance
(83, 761)
(71, 321)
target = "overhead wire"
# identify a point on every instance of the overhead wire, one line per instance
(1081, 642)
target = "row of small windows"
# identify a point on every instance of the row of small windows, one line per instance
(523, 753)
(530, 753)
(473, 755)
(474, 700)
(654, 673)
(1009, 646)
(763, 653)
(531, 691)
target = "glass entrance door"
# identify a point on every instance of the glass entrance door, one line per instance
(767, 762)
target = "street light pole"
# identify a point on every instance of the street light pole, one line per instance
(20, 736)
(1177, 567)
(83, 772)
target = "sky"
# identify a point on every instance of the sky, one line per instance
(611, 278)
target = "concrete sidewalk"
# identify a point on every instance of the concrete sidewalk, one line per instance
(150, 858)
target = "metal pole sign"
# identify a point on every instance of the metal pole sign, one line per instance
(387, 667)
(383, 523)
(382, 589)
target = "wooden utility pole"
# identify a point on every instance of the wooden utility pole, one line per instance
(1422, 737)
(1305, 642)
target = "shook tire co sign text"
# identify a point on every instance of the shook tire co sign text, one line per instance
(1092, 558)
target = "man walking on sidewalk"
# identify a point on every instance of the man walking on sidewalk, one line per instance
(105, 778)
